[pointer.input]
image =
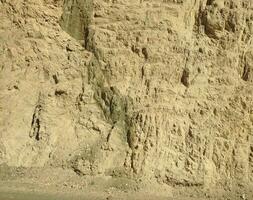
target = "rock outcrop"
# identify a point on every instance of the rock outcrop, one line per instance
(152, 88)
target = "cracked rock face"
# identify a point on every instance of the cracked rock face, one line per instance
(150, 88)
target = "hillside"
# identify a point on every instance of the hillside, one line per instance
(154, 90)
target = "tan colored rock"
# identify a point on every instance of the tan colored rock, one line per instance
(157, 89)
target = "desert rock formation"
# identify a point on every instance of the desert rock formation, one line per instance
(159, 89)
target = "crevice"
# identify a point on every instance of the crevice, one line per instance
(60, 92)
(116, 107)
(76, 17)
(246, 72)
(209, 2)
(36, 123)
(86, 37)
(56, 80)
(145, 53)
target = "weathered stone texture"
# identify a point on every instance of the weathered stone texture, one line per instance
(153, 88)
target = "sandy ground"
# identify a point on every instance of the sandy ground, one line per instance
(29, 193)
(64, 184)
(13, 194)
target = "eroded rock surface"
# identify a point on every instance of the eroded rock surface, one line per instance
(152, 88)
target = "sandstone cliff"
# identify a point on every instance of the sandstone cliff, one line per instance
(159, 89)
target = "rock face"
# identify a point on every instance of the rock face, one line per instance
(152, 88)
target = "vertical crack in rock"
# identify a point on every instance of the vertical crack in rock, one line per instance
(209, 2)
(35, 131)
(246, 66)
(246, 72)
(145, 52)
(35, 125)
(77, 17)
